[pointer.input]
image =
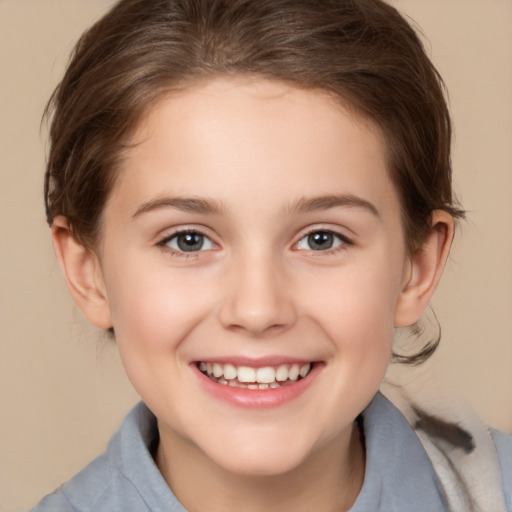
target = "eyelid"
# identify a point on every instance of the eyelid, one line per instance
(345, 240)
(164, 241)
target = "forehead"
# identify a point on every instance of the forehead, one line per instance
(240, 140)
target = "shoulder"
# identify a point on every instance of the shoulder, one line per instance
(398, 471)
(503, 444)
(472, 464)
(99, 487)
(82, 492)
(104, 485)
(55, 502)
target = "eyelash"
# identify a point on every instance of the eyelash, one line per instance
(344, 242)
(178, 253)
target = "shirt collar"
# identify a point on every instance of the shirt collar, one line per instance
(398, 475)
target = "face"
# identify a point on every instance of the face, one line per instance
(253, 260)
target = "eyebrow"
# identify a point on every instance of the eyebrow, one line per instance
(303, 205)
(186, 204)
(328, 201)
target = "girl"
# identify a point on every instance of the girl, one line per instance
(251, 197)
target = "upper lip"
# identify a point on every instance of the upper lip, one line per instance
(255, 362)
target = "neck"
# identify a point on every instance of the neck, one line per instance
(329, 480)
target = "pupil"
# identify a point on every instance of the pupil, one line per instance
(189, 242)
(320, 240)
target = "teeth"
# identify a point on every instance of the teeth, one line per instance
(265, 375)
(254, 378)
(293, 373)
(304, 370)
(282, 373)
(246, 374)
(229, 372)
(218, 371)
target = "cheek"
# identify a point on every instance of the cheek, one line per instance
(153, 310)
(357, 304)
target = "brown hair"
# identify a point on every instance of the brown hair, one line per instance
(361, 51)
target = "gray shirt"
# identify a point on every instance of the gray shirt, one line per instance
(399, 476)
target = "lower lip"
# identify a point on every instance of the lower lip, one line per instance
(258, 398)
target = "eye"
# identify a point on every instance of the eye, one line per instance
(188, 241)
(321, 241)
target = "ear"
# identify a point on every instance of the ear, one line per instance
(426, 267)
(83, 274)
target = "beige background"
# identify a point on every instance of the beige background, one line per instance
(62, 392)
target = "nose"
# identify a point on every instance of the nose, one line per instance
(258, 298)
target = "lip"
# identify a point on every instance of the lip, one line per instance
(255, 398)
(258, 362)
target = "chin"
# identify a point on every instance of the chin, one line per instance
(260, 457)
(260, 467)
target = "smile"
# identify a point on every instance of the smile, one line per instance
(246, 377)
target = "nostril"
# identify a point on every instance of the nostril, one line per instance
(258, 322)
(257, 300)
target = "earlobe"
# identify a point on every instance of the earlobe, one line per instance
(426, 267)
(82, 273)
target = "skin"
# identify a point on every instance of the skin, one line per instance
(258, 155)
